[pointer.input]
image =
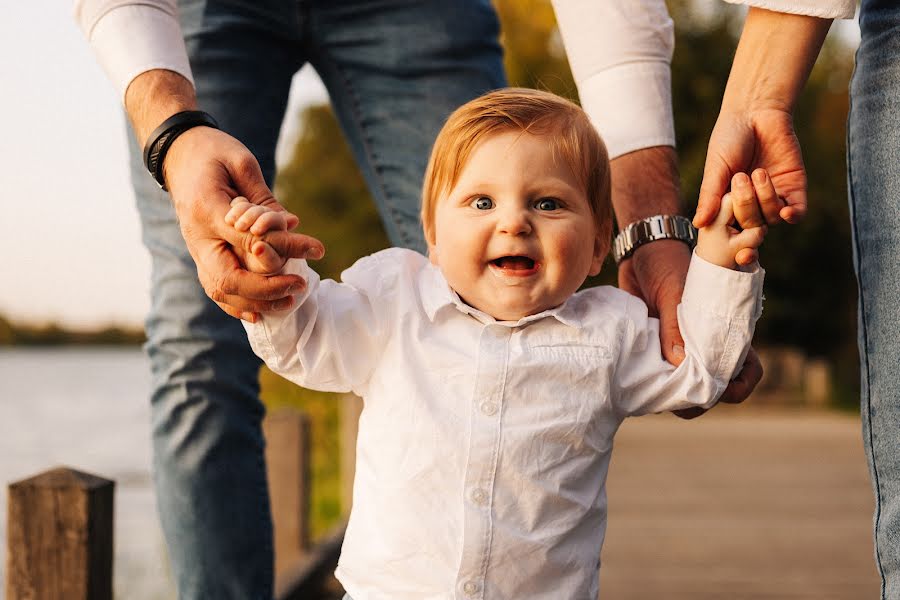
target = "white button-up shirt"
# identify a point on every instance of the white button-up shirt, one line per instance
(483, 445)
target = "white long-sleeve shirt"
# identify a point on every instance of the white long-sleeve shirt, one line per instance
(484, 446)
(619, 51)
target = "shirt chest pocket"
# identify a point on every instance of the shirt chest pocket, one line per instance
(556, 394)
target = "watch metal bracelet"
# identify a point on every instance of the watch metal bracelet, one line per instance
(651, 229)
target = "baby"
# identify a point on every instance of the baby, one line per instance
(492, 389)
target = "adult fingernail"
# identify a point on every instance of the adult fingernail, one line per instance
(678, 351)
(315, 253)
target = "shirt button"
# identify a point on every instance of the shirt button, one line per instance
(479, 496)
(470, 588)
(489, 408)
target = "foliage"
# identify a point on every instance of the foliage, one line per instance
(18, 334)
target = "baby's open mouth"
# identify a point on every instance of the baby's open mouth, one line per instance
(518, 264)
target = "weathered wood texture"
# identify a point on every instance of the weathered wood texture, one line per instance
(740, 504)
(288, 458)
(60, 537)
(350, 410)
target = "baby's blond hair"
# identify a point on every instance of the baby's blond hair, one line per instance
(568, 129)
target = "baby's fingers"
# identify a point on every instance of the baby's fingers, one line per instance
(749, 238)
(769, 201)
(270, 221)
(747, 210)
(726, 212)
(746, 256)
(250, 216)
(238, 207)
(265, 260)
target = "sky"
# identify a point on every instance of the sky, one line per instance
(69, 232)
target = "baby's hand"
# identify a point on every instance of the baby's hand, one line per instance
(721, 244)
(245, 216)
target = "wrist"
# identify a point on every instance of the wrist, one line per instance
(645, 184)
(773, 59)
(658, 228)
(714, 254)
(154, 96)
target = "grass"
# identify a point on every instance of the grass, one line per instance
(324, 412)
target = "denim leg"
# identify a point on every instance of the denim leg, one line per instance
(395, 71)
(209, 465)
(874, 180)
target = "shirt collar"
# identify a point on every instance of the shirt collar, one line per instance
(436, 294)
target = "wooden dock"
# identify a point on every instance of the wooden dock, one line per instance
(743, 503)
(740, 503)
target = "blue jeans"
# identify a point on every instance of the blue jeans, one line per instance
(394, 71)
(874, 178)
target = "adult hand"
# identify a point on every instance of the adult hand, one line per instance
(645, 183)
(656, 273)
(756, 142)
(755, 128)
(204, 170)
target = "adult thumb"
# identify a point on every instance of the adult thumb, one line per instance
(716, 179)
(670, 336)
(248, 180)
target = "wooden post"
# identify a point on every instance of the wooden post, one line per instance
(288, 460)
(60, 537)
(817, 382)
(351, 408)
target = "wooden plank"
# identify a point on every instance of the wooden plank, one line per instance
(306, 578)
(60, 537)
(288, 459)
(741, 503)
(351, 408)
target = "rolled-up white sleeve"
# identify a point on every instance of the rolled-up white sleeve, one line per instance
(826, 9)
(620, 52)
(130, 38)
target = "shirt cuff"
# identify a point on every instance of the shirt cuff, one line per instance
(724, 292)
(825, 9)
(631, 106)
(130, 40)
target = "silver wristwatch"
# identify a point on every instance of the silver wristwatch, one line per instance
(657, 227)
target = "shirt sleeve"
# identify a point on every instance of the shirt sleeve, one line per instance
(620, 52)
(826, 9)
(717, 317)
(129, 38)
(331, 338)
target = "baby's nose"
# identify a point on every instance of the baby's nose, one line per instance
(514, 222)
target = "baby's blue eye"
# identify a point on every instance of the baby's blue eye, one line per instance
(482, 203)
(547, 204)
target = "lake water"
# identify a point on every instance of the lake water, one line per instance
(88, 409)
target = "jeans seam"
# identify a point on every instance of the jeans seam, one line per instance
(366, 140)
(269, 526)
(864, 333)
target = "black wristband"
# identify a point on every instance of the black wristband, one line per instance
(162, 137)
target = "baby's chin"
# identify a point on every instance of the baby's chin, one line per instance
(511, 311)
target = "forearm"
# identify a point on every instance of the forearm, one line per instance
(774, 57)
(645, 183)
(154, 96)
(130, 37)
